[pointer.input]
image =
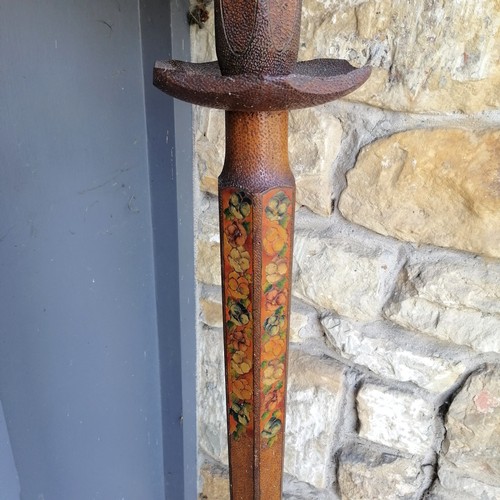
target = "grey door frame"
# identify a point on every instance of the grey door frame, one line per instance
(169, 130)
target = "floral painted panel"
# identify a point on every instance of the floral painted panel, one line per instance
(236, 222)
(276, 266)
(265, 314)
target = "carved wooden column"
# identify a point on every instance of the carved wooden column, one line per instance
(256, 80)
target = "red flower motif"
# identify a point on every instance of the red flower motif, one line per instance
(236, 234)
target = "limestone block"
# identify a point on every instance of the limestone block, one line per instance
(211, 384)
(304, 322)
(211, 311)
(207, 219)
(208, 268)
(392, 354)
(457, 302)
(314, 142)
(430, 186)
(313, 387)
(214, 483)
(300, 490)
(473, 428)
(394, 418)
(427, 56)
(454, 484)
(333, 275)
(366, 473)
(210, 145)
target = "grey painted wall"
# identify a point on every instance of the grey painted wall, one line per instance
(79, 357)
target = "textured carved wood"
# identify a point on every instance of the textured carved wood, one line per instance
(256, 80)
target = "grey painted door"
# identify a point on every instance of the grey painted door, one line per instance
(81, 370)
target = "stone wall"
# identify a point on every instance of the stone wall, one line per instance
(394, 387)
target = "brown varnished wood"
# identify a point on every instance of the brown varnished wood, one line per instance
(310, 83)
(256, 174)
(256, 151)
(257, 37)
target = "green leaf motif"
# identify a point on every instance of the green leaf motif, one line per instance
(281, 283)
(284, 221)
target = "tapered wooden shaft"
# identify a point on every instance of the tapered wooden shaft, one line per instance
(256, 80)
(257, 198)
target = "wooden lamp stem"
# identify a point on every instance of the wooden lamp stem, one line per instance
(257, 80)
(257, 198)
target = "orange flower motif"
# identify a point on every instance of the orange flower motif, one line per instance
(273, 348)
(240, 363)
(273, 399)
(274, 240)
(236, 234)
(239, 259)
(276, 270)
(242, 389)
(274, 299)
(238, 286)
(239, 340)
(273, 372)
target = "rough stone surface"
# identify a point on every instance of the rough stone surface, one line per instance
(427, 56)
(473, 428)
(408, 313)
(211, 407)
(314, 142)
(365, 473)
(208, 268)
(394, 418)
(210, 146)
(452, 301)
(313, 388)
(446, 193)
(211, 311)
(453, 484)
(393, 356)
(342, 278)
(210, 301)
(304, 322)
(214, 483)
